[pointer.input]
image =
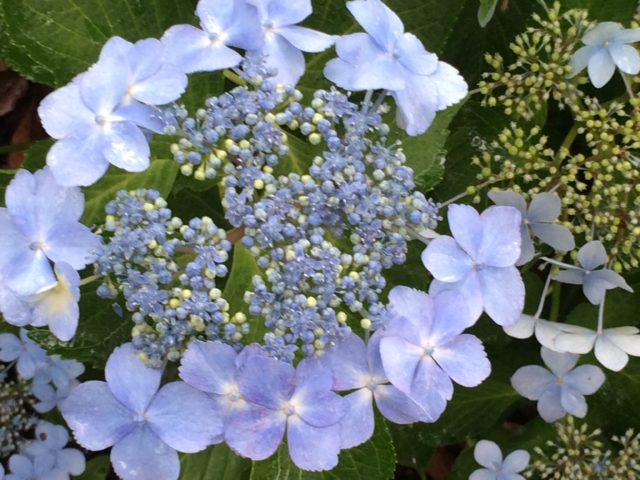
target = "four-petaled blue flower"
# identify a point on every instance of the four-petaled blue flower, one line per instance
(388, 58)
(423, 348)
(283, 398)
(605, 49)
(41, 224)
(479, 261)
(560, 390)
(28, 355)
(144, 425)
(489, 455)
(225, 24)
(359, 368)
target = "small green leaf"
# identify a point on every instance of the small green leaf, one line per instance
(215, 463)
(485, 11)
(373, 460)
(159, 176)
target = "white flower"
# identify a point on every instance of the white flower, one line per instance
(561, 390)
(612, 345)
(489, 455)
(605, 49)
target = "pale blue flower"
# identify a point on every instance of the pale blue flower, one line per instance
(296, 400)
(144, 425)
(423, 348)
(152, 80)
(284, 41)
(561, 388)
(479, 261)
(543, 211)
(41, 224)
(225, 24)
(97, 122)
(49, 447)
(489, 455)
(594, 282)
(28, 355)
(606, 47)
(23, 467)
(388, 58)
(359, 368)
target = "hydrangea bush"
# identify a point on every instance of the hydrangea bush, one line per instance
(325, 240)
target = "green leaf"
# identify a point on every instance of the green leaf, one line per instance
(159, 176)
(373, 460)
(51, 41)
(620, 309)
(485, 11)
(239, 281)
(100, 330)
(97, 469)
(215, 463)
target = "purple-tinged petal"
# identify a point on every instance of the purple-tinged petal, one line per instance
(374, 359)
(400, 360)
(281, 13)
(431, 389)
(451, 317)
(413, 56)
(509, 198)
(77, 162)
(597, 283)
(266, 381)
(516, 461)
(559, 363)
(29, 272)
(64, 114)
(550, 405)
(98, 420)
(166, 86)
(464, 360)
(488, 454)
(445, 260)
(191, 50)
(527, 250)
(532, 381)
(466, 227)
(15, 310)
(484, 474)
(586, 379)
(306, 39)
(256, 432)
(545, 207)
(378, 20)
(312, 448)
(413, 305)
(626, 58)
(417, 103)
(284, 57)
(10, 347)
(609, 354)
(601, 68)
(470, 288)
(215, 13)
(126, 147)
(557, 236)
(144, 116)
(348, 363)
(21, 466)
(208, 366)
(396, 406)
(71, 243)
(358, 423)
(141, 455)
(571, 276)
(502, 293)
(131, 381)
(184, 418)
(72, 461)
(573, 402)
(501, 239)
(313, 398)
(103, 86)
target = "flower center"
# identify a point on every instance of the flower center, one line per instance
(288, 409)
(101, 119)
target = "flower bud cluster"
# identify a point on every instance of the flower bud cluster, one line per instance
(167, 272)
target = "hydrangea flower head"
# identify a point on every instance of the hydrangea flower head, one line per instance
(145, 425)
(225, 24)
(359, 368)
(388, 58)
(489, 455)
(152, 80)
(543, 211)
(41, 224)
(479, 261)
(97, 123)
(612, 346)
(423, 348)
(561, 388)
(284, 41)
(283, 398)
(594, 282)
(607, 47)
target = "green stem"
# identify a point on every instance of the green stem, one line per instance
(230, 75)
(92, 278)
(627, 85)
